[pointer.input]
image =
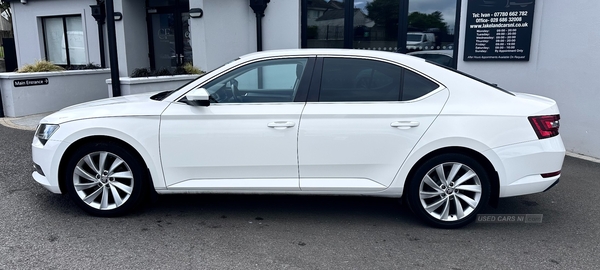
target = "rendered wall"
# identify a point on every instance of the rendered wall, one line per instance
(63, 88)
(28, 27)
(228, 29)
(132, 36)
(564, 65)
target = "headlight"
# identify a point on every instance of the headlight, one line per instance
(45, 131)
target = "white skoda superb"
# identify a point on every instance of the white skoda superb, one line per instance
(301, 122)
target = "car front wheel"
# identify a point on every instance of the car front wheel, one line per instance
(449, 190)
(104, 179)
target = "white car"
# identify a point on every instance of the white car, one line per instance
(319, 121)
(442, 57)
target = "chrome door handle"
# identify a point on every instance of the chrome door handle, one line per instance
(404, 124)
(281, 124)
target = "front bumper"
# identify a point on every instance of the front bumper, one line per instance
(44, 158)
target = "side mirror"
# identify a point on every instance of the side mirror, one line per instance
(198, 97)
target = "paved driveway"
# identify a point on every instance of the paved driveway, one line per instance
(42, 230)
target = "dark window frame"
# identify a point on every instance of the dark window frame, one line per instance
(66, 38)
(177, 9)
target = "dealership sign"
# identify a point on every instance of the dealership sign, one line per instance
(498, 30)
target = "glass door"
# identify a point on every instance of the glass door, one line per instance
(169, 34)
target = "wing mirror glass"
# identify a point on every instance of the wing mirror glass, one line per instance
(198, 97)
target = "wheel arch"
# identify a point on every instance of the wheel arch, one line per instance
(85, 140)
(483, 160)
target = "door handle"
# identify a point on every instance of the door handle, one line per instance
(281, 124)
(404, 124)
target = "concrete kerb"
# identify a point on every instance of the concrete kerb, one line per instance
(28, 122)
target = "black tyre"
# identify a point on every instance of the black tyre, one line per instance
(105, 179)
(449, 190)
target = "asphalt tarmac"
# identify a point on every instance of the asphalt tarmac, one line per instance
(40, 230)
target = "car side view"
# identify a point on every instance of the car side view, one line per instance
(309, 121)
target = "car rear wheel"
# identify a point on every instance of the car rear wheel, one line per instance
(449, 190)
(104, 179)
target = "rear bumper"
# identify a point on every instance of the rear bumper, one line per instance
(553, 184)
(524, 163)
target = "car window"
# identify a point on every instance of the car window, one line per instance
(359, 80)
(265, 81)
(415, 85)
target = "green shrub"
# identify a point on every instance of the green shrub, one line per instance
(188, 68)
(162, 72)
(140, 72)
(191, 69)
(84, 67)
(40, 66)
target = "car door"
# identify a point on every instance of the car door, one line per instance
(361, 121)
(247, 138)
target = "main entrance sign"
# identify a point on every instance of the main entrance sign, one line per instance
(498, 30)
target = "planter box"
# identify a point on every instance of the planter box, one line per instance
(131, 86)
(40, 92)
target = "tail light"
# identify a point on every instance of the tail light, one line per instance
(545, 126)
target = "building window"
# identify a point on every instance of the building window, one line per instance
(385, 25)
(64, 41)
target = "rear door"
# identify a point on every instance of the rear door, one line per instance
(363, 118)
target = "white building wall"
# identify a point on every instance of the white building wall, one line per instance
(228, 29)
(564, 65)
(132, 36)
(281, 25)
(28, 27)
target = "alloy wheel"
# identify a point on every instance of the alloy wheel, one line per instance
(450, 191)
(103, 180)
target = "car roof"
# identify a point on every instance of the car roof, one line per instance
(332, 52)
(442, 52)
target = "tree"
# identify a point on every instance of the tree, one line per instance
(425, 22)
(6, 12)
(385, 13)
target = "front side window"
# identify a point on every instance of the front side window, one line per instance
(266, 81)
(64, 40)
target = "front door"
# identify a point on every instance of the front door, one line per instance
(246, 139)
(169, 33)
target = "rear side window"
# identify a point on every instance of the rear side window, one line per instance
(359, 80)
(347, 79)
(416, 86)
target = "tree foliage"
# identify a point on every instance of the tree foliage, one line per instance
(5, 9)
(424, 22)
(386, 13)
(383, 12)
